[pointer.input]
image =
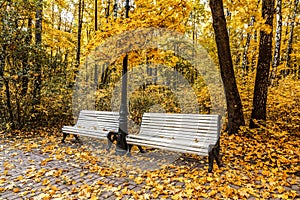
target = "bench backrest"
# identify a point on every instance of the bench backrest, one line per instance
(98, 120)
(193, 127)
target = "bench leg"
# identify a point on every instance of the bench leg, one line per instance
(128, 153)
(129, 149)
(210, 161)
(216, 153)
(111, 137)
(77, 138)
(109, 144)
(64, 137)
(141, 149)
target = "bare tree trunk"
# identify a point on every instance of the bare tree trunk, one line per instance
(116, 9)
(278, 34)
(107, 10)
(8, 103)
(38, 42)
(80, 19)
(253, 52)
(263, 68)
(25, 79)
(276, 59)
(234, 104)
(6, 83)
(244, 61)
(96, 15)
(290, 41)
(96, 28)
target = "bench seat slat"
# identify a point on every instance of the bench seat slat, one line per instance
(185, 129)
(178, 131)
(172, 147)
(183, 136)
(183, 142)
(194, 119)
(86, 132)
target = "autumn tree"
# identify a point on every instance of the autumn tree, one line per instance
(234, 104)
(263, 65)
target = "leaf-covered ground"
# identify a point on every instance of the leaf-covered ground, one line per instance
(257, 165)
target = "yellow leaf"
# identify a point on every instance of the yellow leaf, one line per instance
(138, 180)
(94, 198)
(45, 182)
(15, 190)
(19, 178)
(53, 187)
(209, 179)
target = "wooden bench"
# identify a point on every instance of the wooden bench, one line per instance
(98, 124)
(186, 133)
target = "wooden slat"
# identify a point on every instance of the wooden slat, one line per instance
(169, 146)
(178, 141)
(190, 136)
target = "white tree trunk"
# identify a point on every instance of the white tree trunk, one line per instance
(290, 41)
(276, 58)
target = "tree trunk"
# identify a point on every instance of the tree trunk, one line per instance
(244, 61)
(25, 79)
(107, 10)
(116, 9)
(80, 18)
(263, 66)
(6, 83)
(290, 41)
(8, 103)
(96, 15)
(234, 104)
(276, 59)
(38, 42)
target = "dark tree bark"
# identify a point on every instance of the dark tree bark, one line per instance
(234, 103)
(25, 79)
(6, 83)
(38, 42)
(263, 66)
(80, 19)
(96, 15)
(96, 28)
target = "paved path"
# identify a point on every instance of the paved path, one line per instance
(36, 169)
(34, 173)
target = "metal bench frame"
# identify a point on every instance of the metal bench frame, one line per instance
(98, 124)
(187, 133)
